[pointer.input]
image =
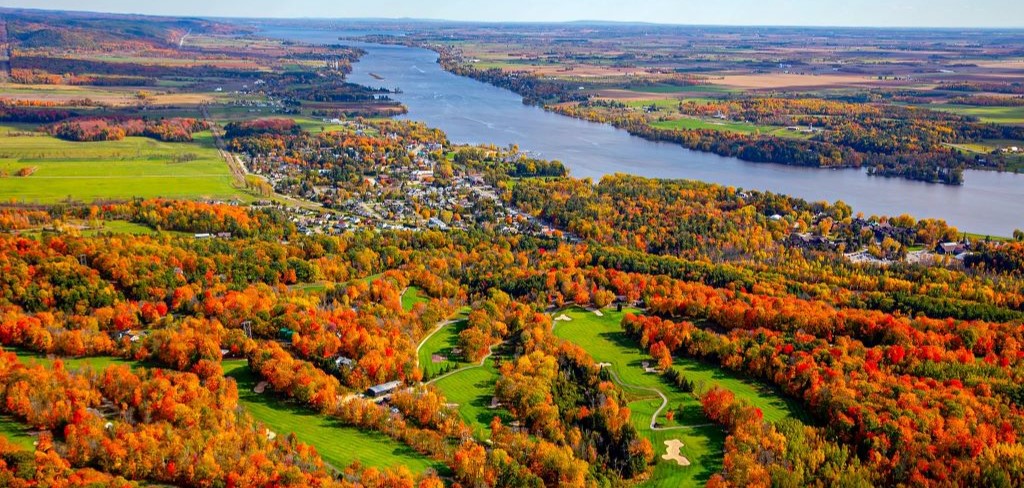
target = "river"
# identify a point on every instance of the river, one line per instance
(477, 113)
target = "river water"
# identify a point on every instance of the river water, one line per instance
(473, 112)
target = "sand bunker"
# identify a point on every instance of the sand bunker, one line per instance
(563, 317)
(260, 387)
(672, 448)
(598, 313)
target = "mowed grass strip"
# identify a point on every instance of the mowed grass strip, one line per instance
(472, 390)
(412, 296)
(133, 167)
(703, 446)
(338, 444)
(97, 363)
(442, 343)
(17, 433)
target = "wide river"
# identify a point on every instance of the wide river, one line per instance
(473, 112)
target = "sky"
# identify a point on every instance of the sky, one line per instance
(877, 13)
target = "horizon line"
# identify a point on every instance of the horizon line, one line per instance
(513, 22)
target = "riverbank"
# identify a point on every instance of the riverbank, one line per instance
(472, 112)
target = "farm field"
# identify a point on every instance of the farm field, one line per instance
(337, 444)
(603, 338)
(995, 115)
(740, 127)
(665, 88)
(133, 167)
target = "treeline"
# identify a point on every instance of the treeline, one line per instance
(507, 162)
(534, 89)
(259, 127)
(113, 128)
(1009, 88)
(888, 140)
(988, 101)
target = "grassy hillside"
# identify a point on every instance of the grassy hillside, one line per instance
(337, 444)
(133, 167)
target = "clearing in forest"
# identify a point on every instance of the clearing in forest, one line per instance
(338, 444)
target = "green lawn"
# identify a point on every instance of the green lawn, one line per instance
(996, 115)
(17, 433)
(1015, 161)
(133, 167)
(473, 390)
(412, 296)
(729, 126)
(703, 446)
(119, 227)
(604, 339)
(337, 444)
(441, 343)
(98, 363)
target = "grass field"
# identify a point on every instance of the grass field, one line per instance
(603, 338)
(338, 445)
(120, 227)
(703, 446)
(740, 127)
(1015, 162)
(412, 296)
(473, 390)
(131, 167)
(96, 363)
(666, 88)
(17, 433)
(996, 115)
(441, 343)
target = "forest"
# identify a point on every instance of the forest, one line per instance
(912, 395)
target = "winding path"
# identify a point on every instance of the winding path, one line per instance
(490, 352)
(664, 403)
(431, 334)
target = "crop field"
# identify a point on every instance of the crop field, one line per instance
(604, 339)
(740, 127)
(133, 167)
(337, 444)
(665, 88)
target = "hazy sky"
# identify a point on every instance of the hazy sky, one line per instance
(915, 13)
